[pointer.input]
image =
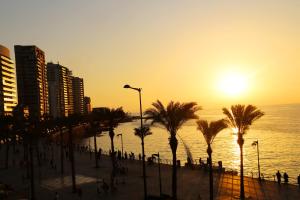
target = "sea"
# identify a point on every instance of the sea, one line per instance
(277, 133)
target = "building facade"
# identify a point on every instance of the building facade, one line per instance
(8, 85)
(78, 95)
(70, 93)
(32, 80)
(87, 105)
(58, 78)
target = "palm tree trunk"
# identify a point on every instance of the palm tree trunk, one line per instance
(112, 134)
(25, 146)
(211, 181)
(6, 154)
(61, 152)
(32, 186)
(14, 144)
(38, 156)
(71, 151)
(96, 152)
(242, 191)
(173, 144)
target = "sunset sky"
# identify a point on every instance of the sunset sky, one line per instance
(213, 52)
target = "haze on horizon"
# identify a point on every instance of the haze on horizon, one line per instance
(174, 50)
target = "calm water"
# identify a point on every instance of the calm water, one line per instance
(278, 133)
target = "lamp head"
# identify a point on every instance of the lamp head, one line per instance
(126, 86)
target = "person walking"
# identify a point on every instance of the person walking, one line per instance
(286, 177)
(79, 192)
(278, 175)
(56, 196)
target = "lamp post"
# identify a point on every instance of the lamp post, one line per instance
(121, 142)
(159, 174)
(255, 143)
(143, 150)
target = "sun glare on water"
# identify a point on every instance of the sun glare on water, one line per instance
(232, 84)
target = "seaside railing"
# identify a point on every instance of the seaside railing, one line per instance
(196, 164)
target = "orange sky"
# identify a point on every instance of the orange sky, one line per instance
(174, 50)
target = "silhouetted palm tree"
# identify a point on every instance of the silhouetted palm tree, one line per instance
(71, 122)
(172, 118)
(6, 133)
(210, 131)
(144, 132)
(111, 118)
(95, 130)
(61, 123)
(241, 117)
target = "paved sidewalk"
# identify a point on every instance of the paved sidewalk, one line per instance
(192, 183)
(229, 188)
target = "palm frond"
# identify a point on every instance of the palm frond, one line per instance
(187, 149)
(173, 116)
(210, 130)
(241, 116)
(144, 131)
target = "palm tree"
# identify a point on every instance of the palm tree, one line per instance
(210, 131)
(6, 127)
(142, 132)
(71, 122)
(111, 118)
(172, 118)
(94, 130)
(61, 122)
(241, 117)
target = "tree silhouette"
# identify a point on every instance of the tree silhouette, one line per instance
(241, 118)
(6, 134)
(210, 131)
(172, 118)
(111, 118)
(145, 131)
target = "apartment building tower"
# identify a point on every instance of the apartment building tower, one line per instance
(78, 95)
(87, 105)
(70, 93)
(60, 102)
(8, 85)
(32, 80)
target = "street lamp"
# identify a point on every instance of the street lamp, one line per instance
(143, 150)
(159, 174)
(121, 142)
(255, 143)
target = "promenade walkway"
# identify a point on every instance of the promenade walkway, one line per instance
(192, 183)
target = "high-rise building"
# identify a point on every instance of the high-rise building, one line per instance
(8, 85)
(87, 105)
(32, 79)
(58, 87)
(70, 93)
(78, 94)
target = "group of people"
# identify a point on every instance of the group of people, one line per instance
(285, 178)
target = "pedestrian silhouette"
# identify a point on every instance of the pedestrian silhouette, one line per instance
(286, 177)
(56, 196)
(278, 175)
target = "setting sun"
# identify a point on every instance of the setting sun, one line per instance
(232, 84)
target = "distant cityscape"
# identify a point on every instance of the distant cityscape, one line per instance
(43, 89)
